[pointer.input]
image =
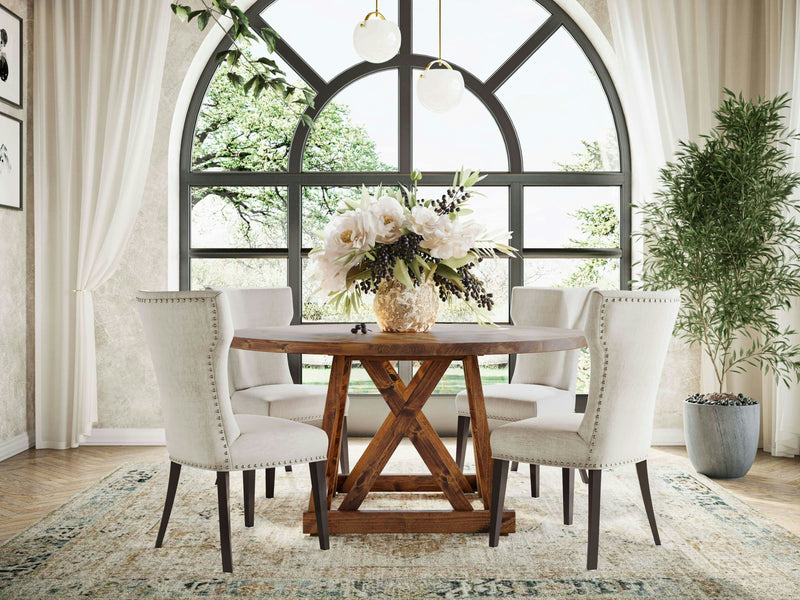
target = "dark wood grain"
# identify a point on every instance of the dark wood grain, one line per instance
(443, 340)
(408, 483)
(396, 425)
(480, 428)
(390, 521)
(333, 420)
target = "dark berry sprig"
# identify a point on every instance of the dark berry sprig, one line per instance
(451, 201)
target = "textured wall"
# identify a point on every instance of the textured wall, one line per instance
(16, 260)
(127, 390)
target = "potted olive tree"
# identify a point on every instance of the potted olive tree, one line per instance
(723, 230)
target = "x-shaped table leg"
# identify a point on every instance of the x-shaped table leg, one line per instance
(406, 419)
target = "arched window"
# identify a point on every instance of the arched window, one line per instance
(540, 116)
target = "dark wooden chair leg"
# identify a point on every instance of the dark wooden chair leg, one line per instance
(534, 481)
(461, 441)
(594, 518)
(568, 490)
(644, 486)
(172, 487)
(584, 475)
(249, 486)
(499, 481)
(288, 468)
(270, 486)
(223, 499)
(344, 454)
(514, 465)
(320, 494)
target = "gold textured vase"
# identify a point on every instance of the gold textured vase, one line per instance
(402, 309)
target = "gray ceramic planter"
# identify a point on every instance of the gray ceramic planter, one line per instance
(722, 441)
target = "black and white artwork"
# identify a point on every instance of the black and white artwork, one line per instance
(10, 57)
(10, 162)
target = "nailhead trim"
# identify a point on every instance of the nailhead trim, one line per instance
(212, 313)
(260, 465)
(603, 378)
(549, 462)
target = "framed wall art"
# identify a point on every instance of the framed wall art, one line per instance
(10, 57)
(10, 162)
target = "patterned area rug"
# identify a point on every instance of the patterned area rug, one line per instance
(100, 545)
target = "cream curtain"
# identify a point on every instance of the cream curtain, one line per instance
(97, 79)
(677, 57)
(781, 405)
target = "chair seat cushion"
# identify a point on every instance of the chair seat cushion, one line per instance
(269, 442)
(294, 401)
(518, 401)
(552, 440)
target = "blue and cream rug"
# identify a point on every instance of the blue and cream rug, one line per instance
(100, 545)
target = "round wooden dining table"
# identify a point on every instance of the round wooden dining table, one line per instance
(435, 349)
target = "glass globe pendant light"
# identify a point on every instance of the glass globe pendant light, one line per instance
(440, 89)
(378, 40)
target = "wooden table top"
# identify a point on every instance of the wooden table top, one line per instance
(456, 339)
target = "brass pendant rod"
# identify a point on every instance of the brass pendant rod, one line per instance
(440, 33)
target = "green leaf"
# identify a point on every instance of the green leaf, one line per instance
(457, 263)
(181, 11)
(202, 19)
(401, 273)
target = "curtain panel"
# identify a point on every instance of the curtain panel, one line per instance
(97, 80)
(677, 57)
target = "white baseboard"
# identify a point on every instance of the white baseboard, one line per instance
(126, 437)
(17, 444)
(668, 437)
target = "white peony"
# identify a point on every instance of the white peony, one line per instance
(425, 221)
(388, 219)
(348, 232)
(454, 240)
(330, 274)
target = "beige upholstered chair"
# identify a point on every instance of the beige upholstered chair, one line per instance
(544, 383)
(260, 381)
(189, 334)
(628, 335)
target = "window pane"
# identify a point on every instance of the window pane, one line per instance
(357, 129)
(239, 217)
(560, 110)
(317, 371)
(236, 132)
(504, 26)
(494, 369)
(573, 272)
(238, 272)
(321, 31)
(572, 217)
(466, 136)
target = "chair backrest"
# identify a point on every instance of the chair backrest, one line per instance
(259, 307)
(549, 307)
(189, 334)
(628, 335)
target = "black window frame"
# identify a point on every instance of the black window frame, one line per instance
(516, 179)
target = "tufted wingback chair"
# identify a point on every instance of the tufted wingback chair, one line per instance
(543, 383)
(628, 335)
(189, 335)
(261, 383)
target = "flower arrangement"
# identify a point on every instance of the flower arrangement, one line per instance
(398, 236)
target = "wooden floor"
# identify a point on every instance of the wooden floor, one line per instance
(35, 482)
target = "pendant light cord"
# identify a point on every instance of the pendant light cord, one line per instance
(440, 32)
